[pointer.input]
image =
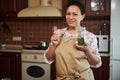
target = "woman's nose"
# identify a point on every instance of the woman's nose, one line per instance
(71, 16)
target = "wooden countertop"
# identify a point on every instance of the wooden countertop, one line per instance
(12, 48)
(105, 54)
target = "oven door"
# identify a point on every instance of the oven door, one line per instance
(35, 71)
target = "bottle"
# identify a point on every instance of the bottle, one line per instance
(104, 30)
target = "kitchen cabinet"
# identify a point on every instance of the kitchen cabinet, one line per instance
(97, 8)
(10, 8)
(10, 65)
(101, 73)
(53, 71)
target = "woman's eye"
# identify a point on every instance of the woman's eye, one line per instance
(74, 14)
(68, 14)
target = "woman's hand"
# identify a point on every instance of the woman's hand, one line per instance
(92, 59)
(81, 47)
(55, 39)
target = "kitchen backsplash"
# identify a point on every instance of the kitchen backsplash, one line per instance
(30, 32)
(33, 31)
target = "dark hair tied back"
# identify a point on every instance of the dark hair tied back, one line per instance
(77, 3)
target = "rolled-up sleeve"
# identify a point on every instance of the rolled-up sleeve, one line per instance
(100, 61)
(92, 43)
(60, 32)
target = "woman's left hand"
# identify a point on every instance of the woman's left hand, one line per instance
(83, 47)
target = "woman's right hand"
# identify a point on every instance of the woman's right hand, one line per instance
(55, 38)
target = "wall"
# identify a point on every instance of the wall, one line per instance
(34, 30)
(31, 31)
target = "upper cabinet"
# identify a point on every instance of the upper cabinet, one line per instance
(9, 8)
(97, 7)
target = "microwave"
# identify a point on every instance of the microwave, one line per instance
(102, 42)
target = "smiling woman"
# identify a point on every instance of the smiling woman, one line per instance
(73, 60)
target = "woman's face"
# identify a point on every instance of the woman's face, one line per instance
(74, 16)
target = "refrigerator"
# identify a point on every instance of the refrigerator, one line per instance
(115, 40)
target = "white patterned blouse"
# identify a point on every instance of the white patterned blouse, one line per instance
(89, 38)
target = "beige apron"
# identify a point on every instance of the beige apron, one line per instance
(71, 64)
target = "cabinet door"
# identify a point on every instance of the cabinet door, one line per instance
(7, 7)
(10, 8)
(98, 7)
(9, 64)
(106, 68)
(102, 73)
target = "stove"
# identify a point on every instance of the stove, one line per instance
(33, 64)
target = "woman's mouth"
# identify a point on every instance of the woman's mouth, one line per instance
(71, 22)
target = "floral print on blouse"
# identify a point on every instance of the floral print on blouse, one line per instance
(89, 38)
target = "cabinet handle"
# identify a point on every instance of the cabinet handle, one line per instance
(7, 15)
(112, 45)
(111, 72)
(97, 13)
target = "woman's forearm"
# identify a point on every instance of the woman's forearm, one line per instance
(50, 54)
(92, 59)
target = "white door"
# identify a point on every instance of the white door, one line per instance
(115, 40)
(115, 29)
(114, 70)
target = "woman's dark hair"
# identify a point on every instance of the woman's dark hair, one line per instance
(77, 3)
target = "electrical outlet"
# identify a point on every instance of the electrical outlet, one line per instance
(16, 38)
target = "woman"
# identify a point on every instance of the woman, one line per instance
(73, 61)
